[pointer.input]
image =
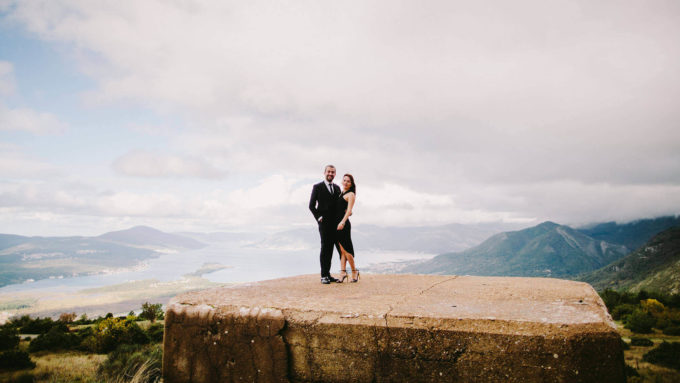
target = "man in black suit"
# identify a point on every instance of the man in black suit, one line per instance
(322, 204)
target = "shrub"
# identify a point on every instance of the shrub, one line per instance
(640, 322)
(666, 354)
(15, 360)
(67, 317)
(152, 311)
(631, 371)
(129, 361)
(155, 332)
(111, 332)
(625, 345)
(35, 326)
(620, 311)
(611, 299)
(9, 338)
(644, 342)
(55, 339)
(25, 377)
(652, 306)
(83, 320)
(672, 330)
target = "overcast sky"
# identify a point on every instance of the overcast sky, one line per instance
(220, 115)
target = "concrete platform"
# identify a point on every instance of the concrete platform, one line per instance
(393, 328)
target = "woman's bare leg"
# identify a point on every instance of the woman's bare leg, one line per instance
(343, 263)
(347, 257)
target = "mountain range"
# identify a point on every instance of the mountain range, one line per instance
(34, 258)
(417, 239)
(148, 237)
(553, 250)
(545, 250)
(655, 266)
(632, 234)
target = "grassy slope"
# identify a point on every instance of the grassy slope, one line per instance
(653, 267)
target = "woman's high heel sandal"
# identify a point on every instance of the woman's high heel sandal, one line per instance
(342, 279)
(354, 280)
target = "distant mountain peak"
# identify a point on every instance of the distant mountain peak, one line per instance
(138, 228)
(547, 249)
(149, 236)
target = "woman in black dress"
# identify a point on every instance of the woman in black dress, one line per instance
(344, 237)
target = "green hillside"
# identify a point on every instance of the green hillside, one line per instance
(548, 249)
(632, 234)
(654, 267)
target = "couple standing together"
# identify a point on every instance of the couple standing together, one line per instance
(331, 208)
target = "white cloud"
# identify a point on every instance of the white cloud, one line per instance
(146, 164)
(15, 163)
(450, 111)
(29, 120)
(23, 119)
(7, 83)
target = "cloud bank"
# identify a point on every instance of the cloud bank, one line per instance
(458, 111)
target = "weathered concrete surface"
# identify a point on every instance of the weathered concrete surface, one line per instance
(390, 328)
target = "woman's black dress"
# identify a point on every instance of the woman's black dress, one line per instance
(344, 236)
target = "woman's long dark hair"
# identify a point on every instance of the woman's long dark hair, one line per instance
(352, 188)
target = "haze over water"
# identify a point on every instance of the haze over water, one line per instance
(245, 264)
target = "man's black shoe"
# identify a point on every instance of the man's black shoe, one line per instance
(325, 281)
(334, 280)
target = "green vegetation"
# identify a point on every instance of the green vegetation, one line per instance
(654, 314)
(633, 234)
(112, 332)
(27, 325)
(9, 338)
(653, 267)
(15, 360)
(128, 360)
(152, 311)
(58, 338)
(155, 332)
(643, 311)
(641, 342)
(71, 350)
(666, 354)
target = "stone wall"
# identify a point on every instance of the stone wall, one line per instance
(393, 328)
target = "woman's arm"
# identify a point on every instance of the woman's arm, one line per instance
(350, 204)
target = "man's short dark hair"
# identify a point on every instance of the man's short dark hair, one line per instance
(328, 166)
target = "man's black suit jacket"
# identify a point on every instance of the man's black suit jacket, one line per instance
(322, 203)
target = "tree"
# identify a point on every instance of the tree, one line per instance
(640, 322)
(55, 339)
(152, 311)
(15, 360)
(666, 354)
(67, 317)
(9, 338)
(112, 332)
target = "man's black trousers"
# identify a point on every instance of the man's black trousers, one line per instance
(327, 230)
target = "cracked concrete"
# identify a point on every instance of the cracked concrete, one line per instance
(393, 328)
